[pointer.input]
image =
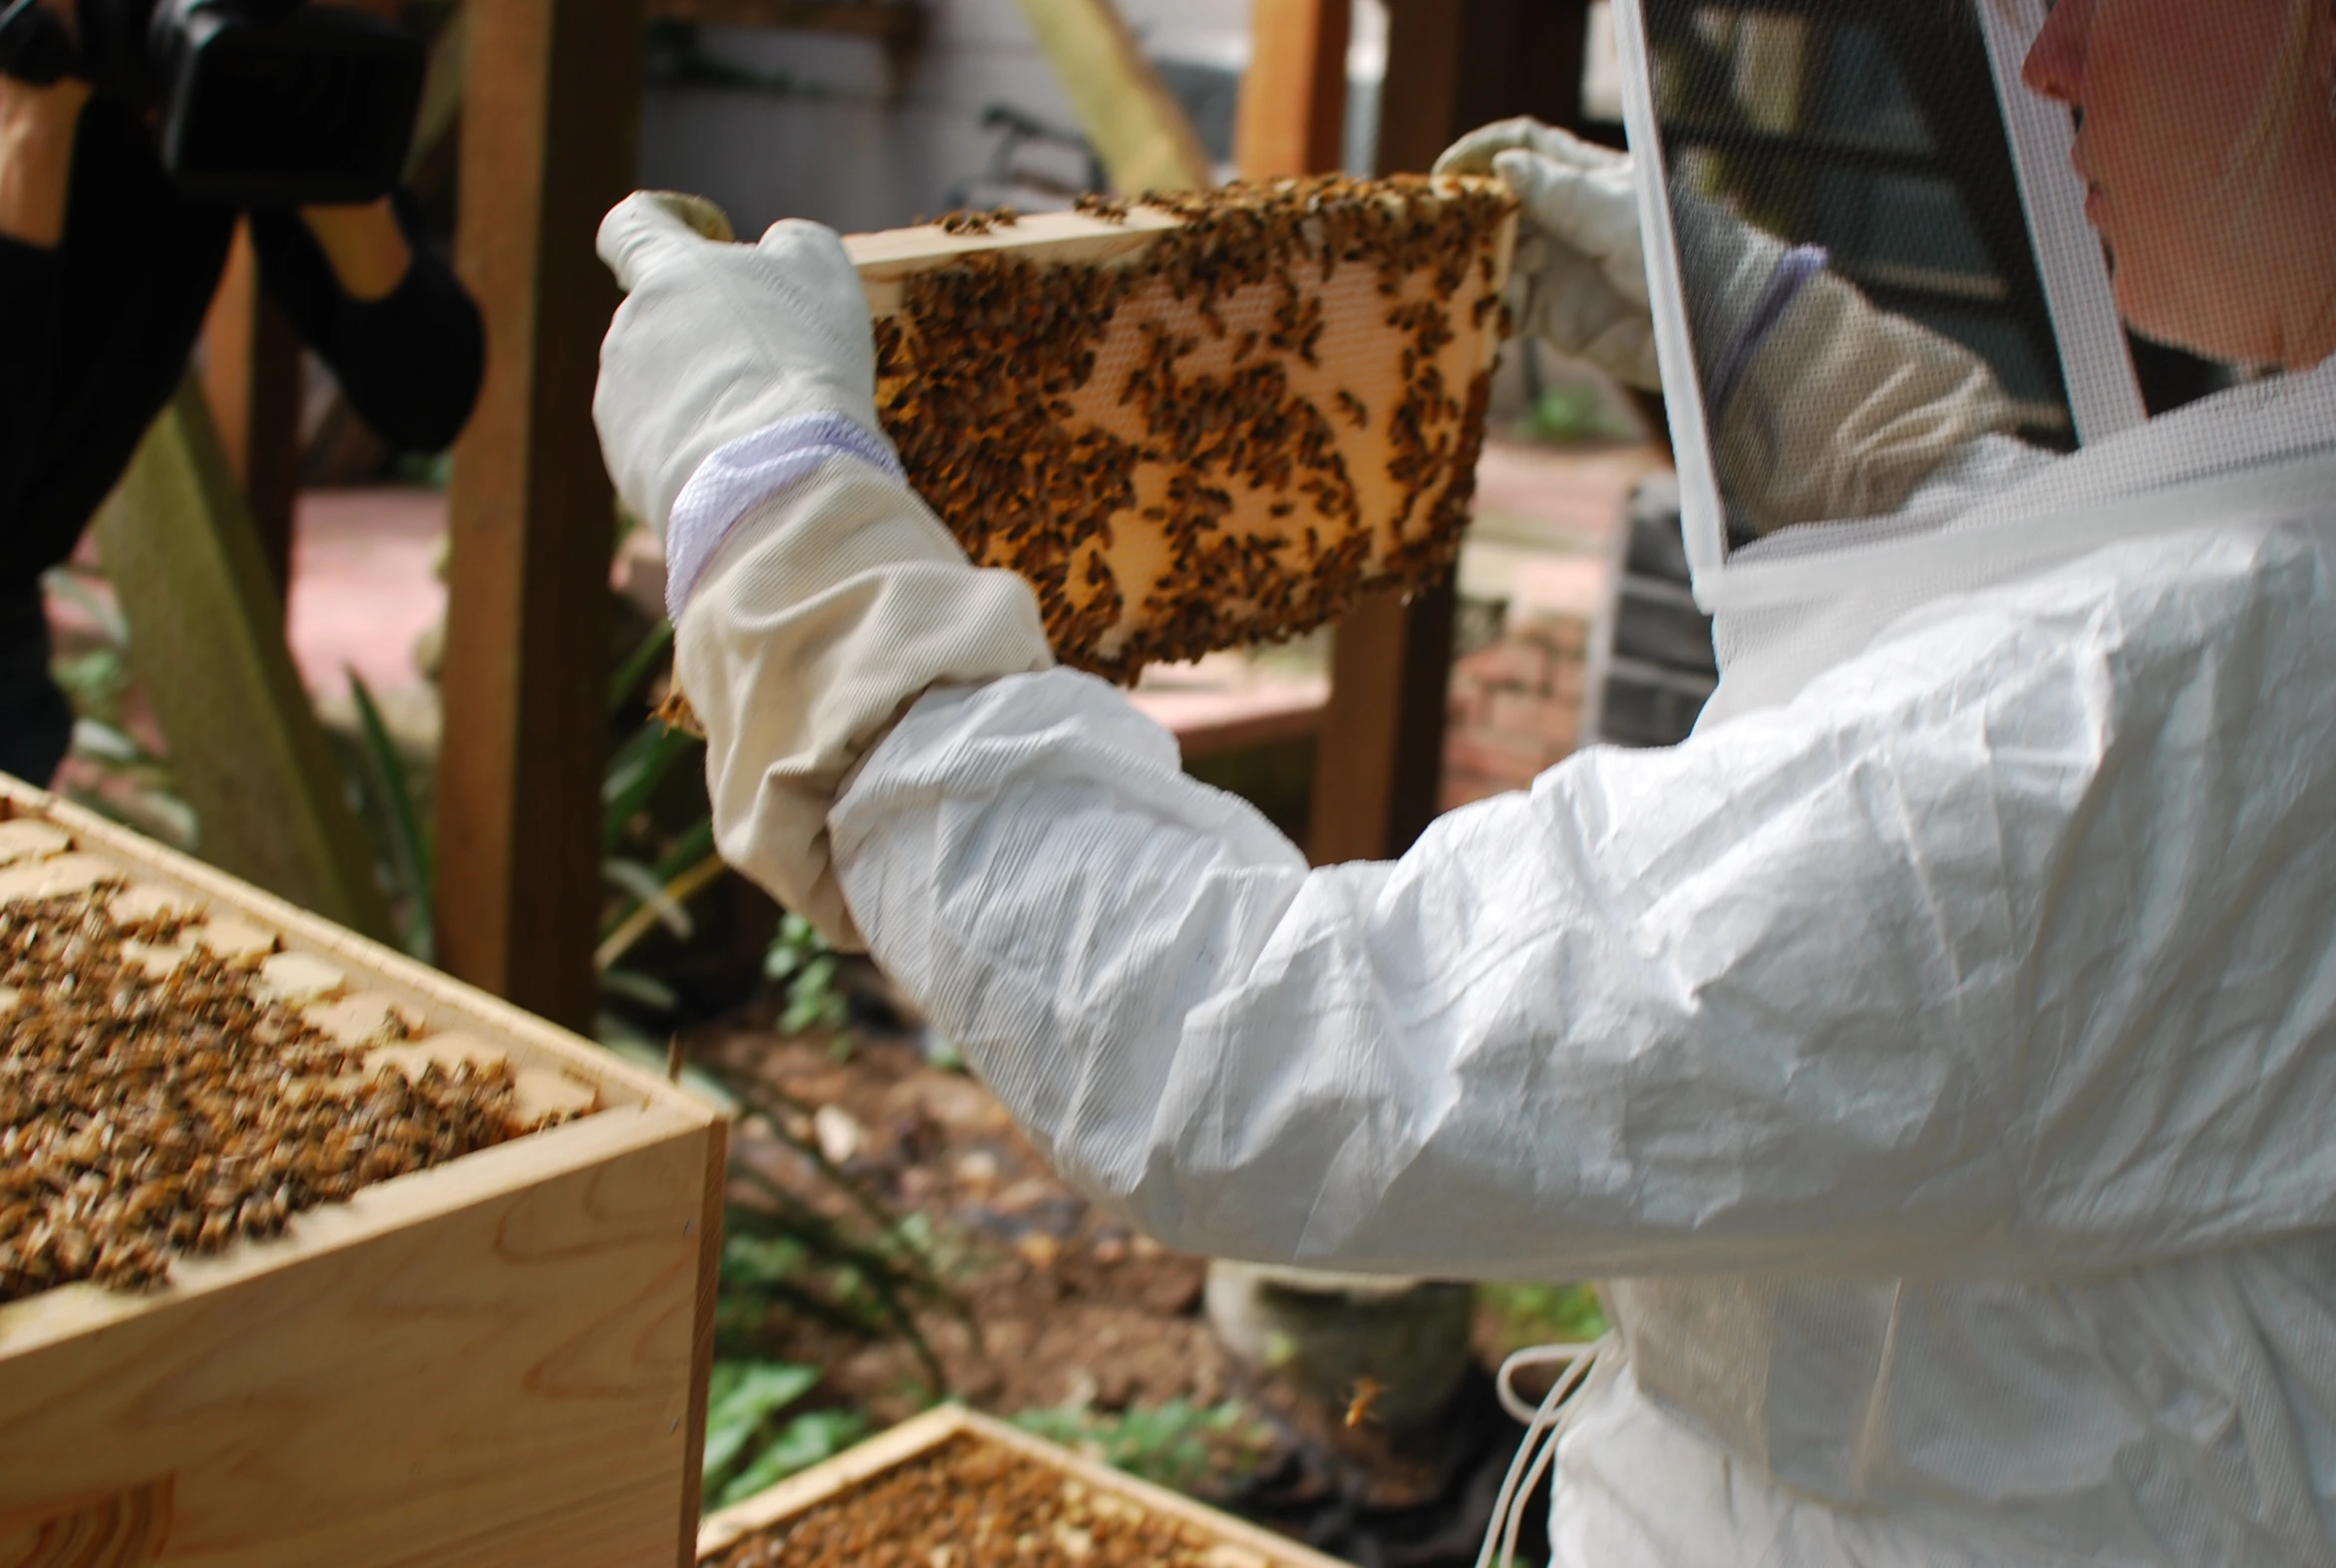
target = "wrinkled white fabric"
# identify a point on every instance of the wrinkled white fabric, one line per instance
(1938, 1054)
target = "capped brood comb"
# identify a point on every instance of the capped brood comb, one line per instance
(1198, 419)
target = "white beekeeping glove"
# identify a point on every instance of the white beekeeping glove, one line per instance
(815, 597)
(1819, 406)
(1579, 282)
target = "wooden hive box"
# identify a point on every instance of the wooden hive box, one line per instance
(1202, 420)
(1096, 1492)
(500, 1360)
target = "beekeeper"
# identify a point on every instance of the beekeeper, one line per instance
(1939, 1049)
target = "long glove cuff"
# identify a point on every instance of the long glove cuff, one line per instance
(740, 475)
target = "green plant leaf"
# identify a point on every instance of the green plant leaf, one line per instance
(750, 1397)
(633, 986)
(67, 584)
(810, 1438)
(647, 889)
(95, 738)
(639, 767)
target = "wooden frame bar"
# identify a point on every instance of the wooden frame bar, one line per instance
(1241, 1543)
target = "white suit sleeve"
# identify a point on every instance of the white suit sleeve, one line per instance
(1998, 948)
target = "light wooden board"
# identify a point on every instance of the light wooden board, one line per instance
(498, 1361)
(1244, 1544)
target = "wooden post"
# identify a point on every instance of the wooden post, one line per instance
(1293, 98)
(549, 119)
(1452, 64)
(251, 376)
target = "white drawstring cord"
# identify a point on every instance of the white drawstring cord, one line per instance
(1534, 1454)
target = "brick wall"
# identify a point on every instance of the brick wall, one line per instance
(1515, 708)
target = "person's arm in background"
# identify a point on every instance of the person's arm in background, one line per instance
(382, 310)
(38, 127)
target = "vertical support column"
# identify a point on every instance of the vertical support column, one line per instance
(550, 121)
(1452, 64)
(1293, 96)
(251, 377)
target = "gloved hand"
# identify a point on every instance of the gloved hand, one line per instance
(1819, 406)
(815, 597)
(715, 341)
(1579, 281)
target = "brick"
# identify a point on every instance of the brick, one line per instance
(1559, 634)
(1546, 721)
(1509, 662)
(1514, 761)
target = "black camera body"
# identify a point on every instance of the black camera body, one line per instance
(253, 103)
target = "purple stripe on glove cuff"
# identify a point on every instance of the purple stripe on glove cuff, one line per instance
(1796, 270)
(740, 476)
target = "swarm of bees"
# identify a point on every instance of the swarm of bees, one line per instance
(144, 1115)
(1224, 439)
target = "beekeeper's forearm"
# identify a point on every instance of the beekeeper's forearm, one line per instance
(1856, 985)
(1566, 1035)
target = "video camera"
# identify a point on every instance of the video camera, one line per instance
(253, 103)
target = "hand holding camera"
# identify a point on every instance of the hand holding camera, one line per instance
(253, 102)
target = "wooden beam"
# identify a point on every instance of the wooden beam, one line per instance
(251, 373)
(1452, 64)
(550, 121)
(1139, 129)
(207, 643)
(1293, 96)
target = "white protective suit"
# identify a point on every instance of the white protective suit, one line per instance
(1938, 1052)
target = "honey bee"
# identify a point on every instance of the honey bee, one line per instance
(1368, 1390)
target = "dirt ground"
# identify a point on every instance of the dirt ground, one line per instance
(1075, 1310)
(1072, 1306)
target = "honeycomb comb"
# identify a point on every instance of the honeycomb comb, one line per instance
(1202, 420)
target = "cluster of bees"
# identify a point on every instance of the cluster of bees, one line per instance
(968, 1503)
(143, 1117)
(988, 383)
(974, 222)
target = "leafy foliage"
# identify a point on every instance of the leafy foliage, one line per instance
(1537, 1314)
(1175, 1444)
(803, 966)
(749, 1447)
